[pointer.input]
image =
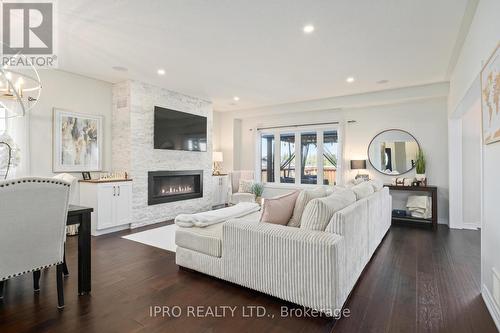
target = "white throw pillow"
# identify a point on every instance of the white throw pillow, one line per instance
(363, 190)
(303, 199)
(319, 212)
(333, 189)
(245, 186)
(377, 184)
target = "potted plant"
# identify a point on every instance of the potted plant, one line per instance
(420, 166)
(258, 189)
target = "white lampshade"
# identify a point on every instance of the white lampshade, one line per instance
(217, 156)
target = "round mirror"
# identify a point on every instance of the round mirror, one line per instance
(393, 152)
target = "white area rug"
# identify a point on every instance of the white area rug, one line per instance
(163, 237)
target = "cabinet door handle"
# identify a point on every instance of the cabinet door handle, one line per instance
(119, 190)
(114, 191)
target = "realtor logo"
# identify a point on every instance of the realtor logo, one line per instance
(28, 29)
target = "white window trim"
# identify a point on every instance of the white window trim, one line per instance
(297, 130)
(3, 117)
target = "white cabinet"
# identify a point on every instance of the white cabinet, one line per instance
(112, 203)
(220, 190)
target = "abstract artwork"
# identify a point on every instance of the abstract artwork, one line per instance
(77, 142)
(490, 98)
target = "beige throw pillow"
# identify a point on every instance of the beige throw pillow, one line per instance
(278, 210)
(245, 186)
(302, 200)
(319, 212)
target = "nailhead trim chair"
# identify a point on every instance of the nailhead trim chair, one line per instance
(33, 214)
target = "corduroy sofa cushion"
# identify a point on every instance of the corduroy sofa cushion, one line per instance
(302, 200)
(318, 212)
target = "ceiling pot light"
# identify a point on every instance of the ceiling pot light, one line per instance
(236, 98)
(350, 79)
(308, 28)
(161, 71)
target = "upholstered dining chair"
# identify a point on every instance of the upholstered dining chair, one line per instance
(73, 199)
(234, 184)
(33, 214)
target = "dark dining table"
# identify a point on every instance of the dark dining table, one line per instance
(81, 215)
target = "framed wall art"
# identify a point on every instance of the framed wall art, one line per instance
(490, 98)
(77, 141)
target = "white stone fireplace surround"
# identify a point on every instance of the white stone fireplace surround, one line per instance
(132, 143)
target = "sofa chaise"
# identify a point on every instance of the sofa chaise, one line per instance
(313, 268)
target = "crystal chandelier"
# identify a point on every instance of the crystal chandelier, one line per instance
(20, 88)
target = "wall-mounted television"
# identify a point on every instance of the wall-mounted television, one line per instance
(176, 130)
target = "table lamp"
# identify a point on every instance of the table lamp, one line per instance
(359, 165)
(217, 160)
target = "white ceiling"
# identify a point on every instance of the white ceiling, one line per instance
(216, 49)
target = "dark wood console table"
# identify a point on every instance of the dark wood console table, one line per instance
(432, 190)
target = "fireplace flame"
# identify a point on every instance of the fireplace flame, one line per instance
(176, 190)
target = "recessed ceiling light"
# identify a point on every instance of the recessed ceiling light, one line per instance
(382, 81)
(350, 79)
(236, 98)
(119, 68)
(308, 28)
(161, 71)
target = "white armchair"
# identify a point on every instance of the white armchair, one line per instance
(234, 183)
(33, 214)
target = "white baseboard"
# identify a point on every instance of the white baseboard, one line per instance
(110, 230)
(466, 226)
(491, 305)
(470, 226)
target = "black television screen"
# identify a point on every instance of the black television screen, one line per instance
(177, 130)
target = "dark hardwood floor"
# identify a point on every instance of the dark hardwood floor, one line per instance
(418, 281)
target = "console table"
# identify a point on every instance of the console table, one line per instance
(432, 191)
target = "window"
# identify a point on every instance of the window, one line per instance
(287, 160)
(304, 155)
(330, 152)
(309, 158)
(267, 158)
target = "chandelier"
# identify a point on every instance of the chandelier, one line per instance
(20, 88)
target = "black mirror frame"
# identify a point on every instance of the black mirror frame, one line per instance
(388, 130)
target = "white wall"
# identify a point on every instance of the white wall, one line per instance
(74, 93)
(471, 166)
(483, 37)
(425, 119)
(480, 42)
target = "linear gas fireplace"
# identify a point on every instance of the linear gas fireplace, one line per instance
(168, 186)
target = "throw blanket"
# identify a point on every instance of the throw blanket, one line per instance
(205, 219)
(419, 206)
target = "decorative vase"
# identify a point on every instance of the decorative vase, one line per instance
(421, 178)
(258, 200)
